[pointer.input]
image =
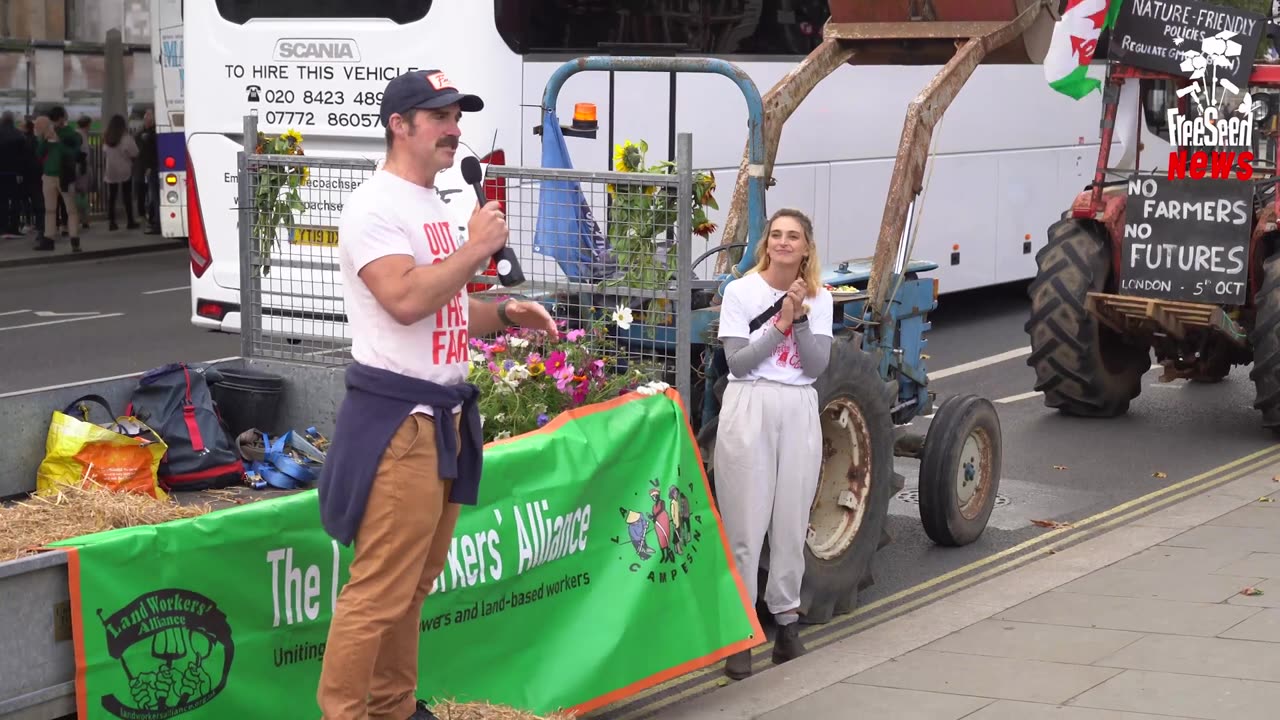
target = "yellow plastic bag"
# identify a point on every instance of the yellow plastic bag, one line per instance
(122, 455)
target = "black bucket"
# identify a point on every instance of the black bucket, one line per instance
(248, 399)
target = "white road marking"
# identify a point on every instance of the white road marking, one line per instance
(165, 290)
(55, 322)
(50, 313)
(14, 312)
(980, 363)
(992, 360)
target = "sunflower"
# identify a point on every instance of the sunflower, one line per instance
(628, 157)
(293, 136)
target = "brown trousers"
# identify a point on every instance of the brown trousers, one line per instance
(52, 189)
(371, 658)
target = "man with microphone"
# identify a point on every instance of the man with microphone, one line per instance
(407, 446)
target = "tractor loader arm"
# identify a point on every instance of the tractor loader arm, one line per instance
(923, 115)
(873, 40)
(779, 103)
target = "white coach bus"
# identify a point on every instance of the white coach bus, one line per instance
(1011, 152)
(169, 87)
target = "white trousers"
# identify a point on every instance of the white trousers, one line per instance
(767, 458)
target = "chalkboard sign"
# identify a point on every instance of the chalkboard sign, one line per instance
(1145, 30)
(1187, 239)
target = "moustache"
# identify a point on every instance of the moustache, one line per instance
(449, 142)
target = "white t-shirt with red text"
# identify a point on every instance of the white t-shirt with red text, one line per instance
(388, 215)
(750, 295)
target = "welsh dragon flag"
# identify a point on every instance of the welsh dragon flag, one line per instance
(1075, 38)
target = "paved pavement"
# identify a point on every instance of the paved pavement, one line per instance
(1151, 620)
(96, 242)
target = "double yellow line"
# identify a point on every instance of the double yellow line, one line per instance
(1017, 555)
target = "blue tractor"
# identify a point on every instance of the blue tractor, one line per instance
(876, 383)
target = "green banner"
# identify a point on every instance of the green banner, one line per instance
(593, 567)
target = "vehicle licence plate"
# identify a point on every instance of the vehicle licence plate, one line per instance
(312, 235)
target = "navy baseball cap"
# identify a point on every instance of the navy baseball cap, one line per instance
(423, 89)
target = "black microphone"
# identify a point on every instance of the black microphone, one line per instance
(508, 267)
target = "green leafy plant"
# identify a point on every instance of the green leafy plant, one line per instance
(276, 194)
(641, 214)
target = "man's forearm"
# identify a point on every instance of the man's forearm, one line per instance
(483, 318)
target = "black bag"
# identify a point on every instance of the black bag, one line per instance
(174, 400)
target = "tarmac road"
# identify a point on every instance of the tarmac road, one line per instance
(83, 320)
(77, 321)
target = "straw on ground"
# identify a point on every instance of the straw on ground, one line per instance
(448, 710)
(31, 524)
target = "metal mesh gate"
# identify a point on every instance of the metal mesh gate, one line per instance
(621, 285)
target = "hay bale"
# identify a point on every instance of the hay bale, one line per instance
(449, 710)
(29, 525)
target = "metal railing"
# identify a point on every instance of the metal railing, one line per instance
(626, 281)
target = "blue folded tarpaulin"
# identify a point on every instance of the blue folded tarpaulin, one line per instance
(567, 230)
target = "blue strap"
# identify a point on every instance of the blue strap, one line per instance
(273, 477)
(278, 457)
(278, 469)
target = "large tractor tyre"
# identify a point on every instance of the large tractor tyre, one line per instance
(1265, 339)
(960, 470)
(847, 521)
(1082, 366)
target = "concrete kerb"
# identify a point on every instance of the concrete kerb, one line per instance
(51, 258)
(777, 687)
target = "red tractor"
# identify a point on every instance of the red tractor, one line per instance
(1187, 266)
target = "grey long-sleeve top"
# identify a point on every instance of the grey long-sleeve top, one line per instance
(744, 356)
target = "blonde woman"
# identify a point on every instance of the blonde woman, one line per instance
(776, 326)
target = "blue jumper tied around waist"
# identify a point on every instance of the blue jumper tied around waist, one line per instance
(376, 403)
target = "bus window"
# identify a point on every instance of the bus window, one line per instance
(400, 12)
(732, 27)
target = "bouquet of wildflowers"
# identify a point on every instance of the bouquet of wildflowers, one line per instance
(276, 190)
(526, 379)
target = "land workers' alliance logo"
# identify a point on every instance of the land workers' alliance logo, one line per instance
(175, 649)
(667, 521)
(1219, 141)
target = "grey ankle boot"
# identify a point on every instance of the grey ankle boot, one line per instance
(738, 666)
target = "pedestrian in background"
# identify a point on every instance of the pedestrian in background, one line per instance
(119, 152)
(86, 168)
(34, 194)
(13, 170)
(148, 166)
(768, 449)
(59, 148)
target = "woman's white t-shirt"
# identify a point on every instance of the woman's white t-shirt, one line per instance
(750, 295)
(388, 215)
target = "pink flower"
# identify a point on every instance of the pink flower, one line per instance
(574, 335)
(564, 376)
(580, 391)
(533, 358)
(596, 368)
(556, 362)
